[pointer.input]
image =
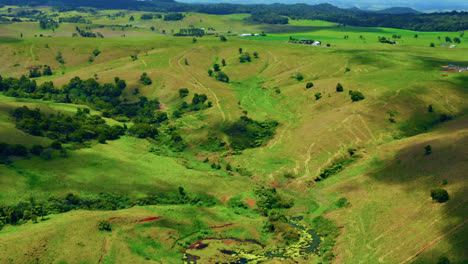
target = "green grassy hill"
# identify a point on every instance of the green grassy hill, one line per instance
(373, 149)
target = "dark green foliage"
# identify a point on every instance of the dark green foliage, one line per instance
(342, 203)
(184, 92)
(23, 211)
(255, 54)
(132, 18)
(440, 195)
(145, 80)
(47, 71)
(37, 150)
(428, 150)
(19, 150)
(266, 17)
(48, 23)
(147, 16)
(269, 198)
(96, 52)
(143, 130)
(298, 76)
(248, 133)
(329, 233)
(222, 77)
(173, 17)
(240, 50)
(198, 32)
(309, 85)
(430, 109)
(216, 67)
(223, 62)
(223, 38)
(443, 260)
(335, 168)
(104, 225)
(59, 58)
(339, 87)
(64, 128)
(210, 72)
(245, 57)
(318, 96)
(356, 96)
(34, 73)
(432, 45)
(385, 40)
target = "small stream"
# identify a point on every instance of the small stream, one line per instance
(308, 243)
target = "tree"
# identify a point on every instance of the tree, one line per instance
(356, 96)
(47, 71)
(184, 92)
(339, 87)
(96, 52)
(430, 109)
(298, 76)
(222, 77)
(440, 195)
(223, 62)
(132, 18)
(415, 35)
(210, 72)
(255, 54)
(216, 67)
(318, 96)
(152, 28)
(457, 40)
(245, 57)
(142, 130)
(309, 85)
(448, 39)
(223, 38)
(104, 225)
(194, 40)
(34, 73)
(37, 150)
(240, 50)
(145, 79)
(56, 145)
(428, 150)
(186, 62)
(432, 45)
(443, 260)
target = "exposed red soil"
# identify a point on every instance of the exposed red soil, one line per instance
(250, 202)
(224, 199)
(445, 75)
(274, 184)
(104, 244)
(450, 70)
(217, 227)
(200, 242)
(228, 241)
(148, 219)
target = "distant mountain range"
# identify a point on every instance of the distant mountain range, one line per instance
(374, 5)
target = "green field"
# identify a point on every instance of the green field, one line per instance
(390, 217)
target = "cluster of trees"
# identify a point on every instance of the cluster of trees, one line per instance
(145, 79)
(199, 102)
(174, 17)
(105, 98)
(198, 32)
(66, 128)
(247, 133)
(35, 72)
(19, 150)
(218, 74)
(33, 210)
(356, 96)
(266, 17)
(47, 23)
(335, 168)
(87, 33)
(74, 19)
(440, 195)
(149, 16)
(385, 40)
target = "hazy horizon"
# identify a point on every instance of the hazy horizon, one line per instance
(421, 5)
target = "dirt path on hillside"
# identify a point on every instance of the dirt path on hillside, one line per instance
(198, 83)
(433, 242)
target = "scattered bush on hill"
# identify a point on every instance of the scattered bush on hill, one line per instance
(356, 96)
(440, 195)
(339, 87)
(145, 80)
(104, 225)
(247, 133)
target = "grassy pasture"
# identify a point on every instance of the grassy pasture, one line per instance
(391, 216)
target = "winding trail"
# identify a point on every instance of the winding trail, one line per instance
(433, 242)
(200, 84)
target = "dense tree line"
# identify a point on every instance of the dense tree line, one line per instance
(174, 17)
(446, 21)
(73, 19)
(66, 128)
(266, 17)
(33, 210)
(197, 32)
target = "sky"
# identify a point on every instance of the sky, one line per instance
(421, 5)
